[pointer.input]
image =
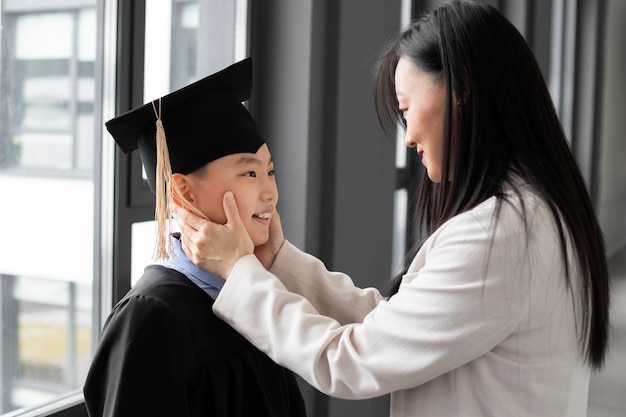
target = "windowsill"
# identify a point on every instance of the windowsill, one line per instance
(73, 401)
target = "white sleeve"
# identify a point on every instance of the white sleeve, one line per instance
(332, 294)
(463, 296)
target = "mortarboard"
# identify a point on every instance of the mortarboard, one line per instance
(188, 128)
(203, 122)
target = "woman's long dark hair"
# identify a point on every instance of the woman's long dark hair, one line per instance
(505, 126)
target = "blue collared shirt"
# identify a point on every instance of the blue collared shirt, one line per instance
(211, 284)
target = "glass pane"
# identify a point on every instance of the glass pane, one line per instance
(401, 149)
(47, 143)
(398, 247)
(606, 393)
(143, 245)
(224, 23)
(612, 164)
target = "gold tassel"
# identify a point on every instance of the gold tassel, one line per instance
(163, 212)
(167, 192)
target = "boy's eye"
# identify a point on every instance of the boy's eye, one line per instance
(250, 174)
(272, 172)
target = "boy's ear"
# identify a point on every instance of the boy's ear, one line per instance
(182, 183)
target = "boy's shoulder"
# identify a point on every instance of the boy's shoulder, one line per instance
(162, 288)
(168, 297)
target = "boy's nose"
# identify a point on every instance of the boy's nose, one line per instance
(269, 192)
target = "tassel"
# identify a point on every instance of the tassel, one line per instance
(163, 212)
(167, 193)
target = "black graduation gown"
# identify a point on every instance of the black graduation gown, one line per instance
(163, 352)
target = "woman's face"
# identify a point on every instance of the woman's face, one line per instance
(421, 99)
(250, 176)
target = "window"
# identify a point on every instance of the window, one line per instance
(48, 134)
(60, 269)
(409, 174)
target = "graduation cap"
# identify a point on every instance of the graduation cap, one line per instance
(186, 129)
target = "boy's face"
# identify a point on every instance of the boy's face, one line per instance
(251, 179)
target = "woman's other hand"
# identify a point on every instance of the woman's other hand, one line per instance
(268, 251)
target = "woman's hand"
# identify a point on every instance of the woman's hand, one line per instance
(214, 247)
(268, 251)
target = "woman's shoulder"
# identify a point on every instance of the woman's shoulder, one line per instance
(513, 228)
(517, 209)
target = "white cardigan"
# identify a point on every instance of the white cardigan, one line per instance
(479, 327)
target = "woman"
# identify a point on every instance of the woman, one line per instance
(503, 310)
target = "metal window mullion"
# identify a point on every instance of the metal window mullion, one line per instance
(73, 100)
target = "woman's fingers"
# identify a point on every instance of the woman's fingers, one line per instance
(233, 220)
(212, 246)
(267, 252)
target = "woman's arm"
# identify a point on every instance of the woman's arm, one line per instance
(332, 294)
(214, 247)
(462, 297)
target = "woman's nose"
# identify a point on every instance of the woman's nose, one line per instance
(409, 142)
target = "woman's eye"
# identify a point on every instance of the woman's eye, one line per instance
(250, 174)
(272, 172)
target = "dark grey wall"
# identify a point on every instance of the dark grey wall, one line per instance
(313, 100)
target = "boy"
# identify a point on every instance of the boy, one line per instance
(163, 352)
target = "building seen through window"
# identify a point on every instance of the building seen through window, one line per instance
(51, 136)
(47, 143)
